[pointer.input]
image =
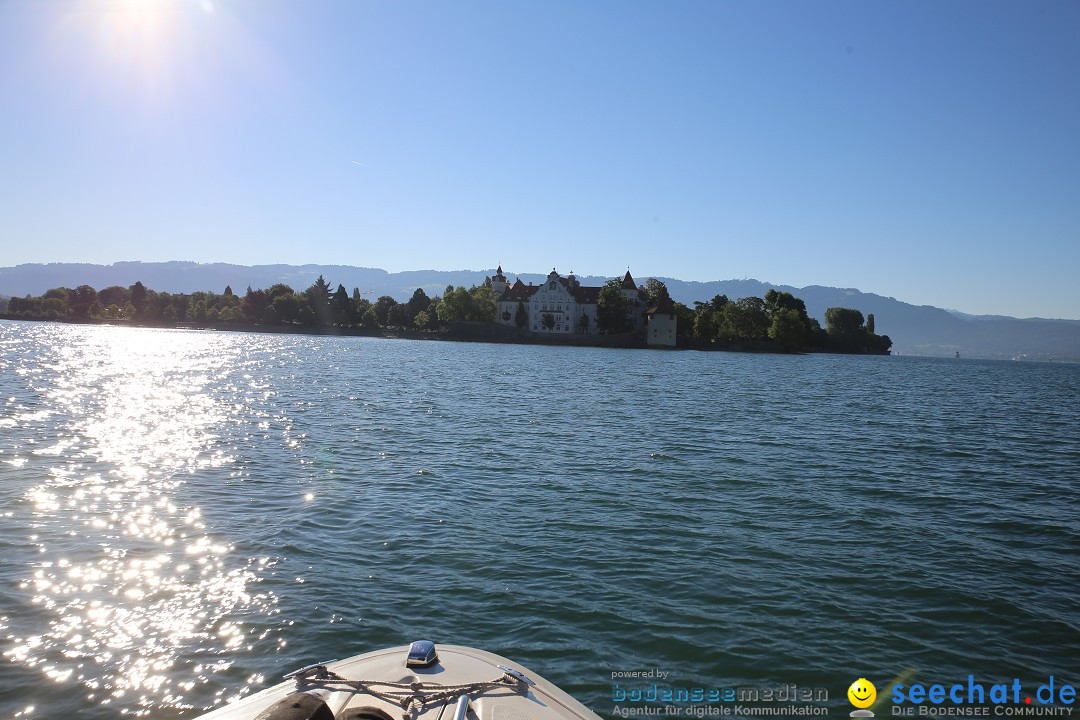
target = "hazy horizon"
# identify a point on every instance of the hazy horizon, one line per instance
(512, 273)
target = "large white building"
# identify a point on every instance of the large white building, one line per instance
(560, 304)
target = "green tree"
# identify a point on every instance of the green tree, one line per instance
(360, 306)
(547, 320)
(778, 305)
(684, 322)
(775, 301)
(445, 311)
(138, 297)
(844, 327)
(879, 343)
(612, 308)
(196, 311)
(341, 305)
(319, 300)
(53, 308)
(382, 309)
(457, 304)
(521, 317)
(114, 295)
(705, 321)
(744, 319)
(231, 316)
(398, 316)
(484, 303)
(287, 308)
(583, 324)
(179, 302)
(419, 301)
(789, 329)
(875, 342)
(254, 304)
(277, 290)
(654, 288)
(708, 317)
(422, 320)
(369, 319)
(82, 299)
(433, 313)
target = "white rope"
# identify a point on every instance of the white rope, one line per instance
(412, 697)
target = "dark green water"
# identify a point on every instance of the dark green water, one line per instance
(184, 516)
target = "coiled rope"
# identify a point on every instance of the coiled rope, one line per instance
(411, 697)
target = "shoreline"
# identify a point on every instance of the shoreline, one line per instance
(459, 332)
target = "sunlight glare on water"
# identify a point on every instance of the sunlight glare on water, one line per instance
(130, 575)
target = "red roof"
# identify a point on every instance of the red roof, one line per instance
(520, 291)
(586, 295)
(663, 305)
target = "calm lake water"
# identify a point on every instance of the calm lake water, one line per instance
(184, 516)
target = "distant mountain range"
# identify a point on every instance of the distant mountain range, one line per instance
(914, 329)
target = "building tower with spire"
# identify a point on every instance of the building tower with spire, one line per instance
(661, 321)
(498, 282)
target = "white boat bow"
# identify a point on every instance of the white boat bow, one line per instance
(417, 682)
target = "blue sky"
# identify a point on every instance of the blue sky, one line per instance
(925, 150)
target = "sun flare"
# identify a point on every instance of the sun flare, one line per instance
(146, 43)
(139, 31)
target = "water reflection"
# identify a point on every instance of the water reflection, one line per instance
(143, 600)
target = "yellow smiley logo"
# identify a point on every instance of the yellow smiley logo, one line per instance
(862, 693)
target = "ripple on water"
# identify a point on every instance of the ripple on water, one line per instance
(186, 514)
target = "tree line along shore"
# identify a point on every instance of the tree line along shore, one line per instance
(776, 321)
